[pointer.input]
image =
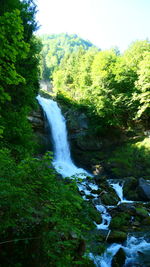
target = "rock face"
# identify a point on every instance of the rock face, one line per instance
(78, 125)
(144, 189)
(41, 130)
(86, 147)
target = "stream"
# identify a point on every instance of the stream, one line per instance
(136, 248)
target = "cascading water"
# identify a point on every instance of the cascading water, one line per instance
(106, 218)
(118, 187)
(106, 259)
(62, 159)
(135, 248)
(137, 251)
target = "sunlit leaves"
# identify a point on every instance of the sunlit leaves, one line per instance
(115, 87)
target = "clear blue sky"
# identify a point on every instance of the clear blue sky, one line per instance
(106, 23)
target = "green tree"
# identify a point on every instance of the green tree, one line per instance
(18, 74)
(142, 96)
(55, 48)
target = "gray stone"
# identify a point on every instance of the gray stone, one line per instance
(144, 189)
(41, 130)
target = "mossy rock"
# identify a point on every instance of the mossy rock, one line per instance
(117, 237)
(119, 258)
(101, 248)
(109, 198)
(94, 215)
(130, 189)
(120, 220)
(146, 221)
(141, 212)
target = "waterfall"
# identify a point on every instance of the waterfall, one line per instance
(62, 159)
(118, 187)
(136, 249)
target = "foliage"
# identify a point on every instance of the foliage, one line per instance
(12, 46)
(55, 48)
(114, 87)
(119, 221)
(131, 159)
(18, 75)
(143, 87)
(38, 207)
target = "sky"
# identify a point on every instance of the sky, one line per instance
(106, 23)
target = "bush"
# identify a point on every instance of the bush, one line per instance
(132, 159)
(42, 218)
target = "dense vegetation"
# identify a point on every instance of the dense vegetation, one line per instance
(55, 48)
(42, 217)
(115, 87)
(114, 90)
(44, 221)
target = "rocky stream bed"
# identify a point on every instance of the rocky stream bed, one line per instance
(120, 207)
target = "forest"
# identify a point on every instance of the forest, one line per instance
(44, 219)
(32, 198)
(114, 90)
(114, 86)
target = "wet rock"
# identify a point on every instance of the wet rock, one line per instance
(99, 179)
(127, 207)
(142, 212)
(98, 169)
(130, 189)
(144, 257)
(120, 220)
(95, 215)
(76, 120)
(36, 119)
(41, 130)
(93, 191)
(117, 237)
(97, 201)
(90, 196)
(136, 223)
(109, 197)
(146, 221)
(144, 189)
(119, 258)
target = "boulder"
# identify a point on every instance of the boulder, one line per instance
(141, 212)
(130, 188)
(94, 214)
(146, 221)
(120, 220)
(144, 189)
(119, 258)
(109, 198)
(117, 237)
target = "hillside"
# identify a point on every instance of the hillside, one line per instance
(55, 48)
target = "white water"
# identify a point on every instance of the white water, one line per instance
(64, 165)
(106, 218)
(62, 159)
(137, 252)
(118, 187)
(106, 259)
